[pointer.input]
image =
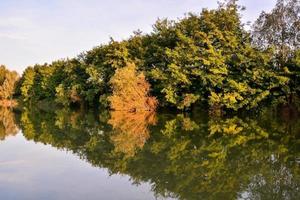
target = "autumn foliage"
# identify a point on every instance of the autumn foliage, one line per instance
(131, 91)
(8, 80)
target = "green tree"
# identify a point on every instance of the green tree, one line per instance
(27, 83)
(214, 63)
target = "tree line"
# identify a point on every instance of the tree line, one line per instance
(207, 59)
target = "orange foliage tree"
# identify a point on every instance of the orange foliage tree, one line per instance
(8, 81)
(131, 91)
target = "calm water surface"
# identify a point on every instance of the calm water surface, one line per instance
(65, 154)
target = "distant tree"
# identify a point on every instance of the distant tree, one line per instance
(131, 91)
(8, 80)
(279, 29)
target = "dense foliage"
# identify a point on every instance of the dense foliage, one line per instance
(207, 58)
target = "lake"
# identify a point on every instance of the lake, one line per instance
(66, 154)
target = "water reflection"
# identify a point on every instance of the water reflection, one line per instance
(7, 123)
(130, 130)
(185, 157)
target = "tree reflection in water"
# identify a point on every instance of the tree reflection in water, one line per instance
(197, 157)
(7, 123)
(130, 130)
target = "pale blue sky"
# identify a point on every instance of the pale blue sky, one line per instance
(38, 31)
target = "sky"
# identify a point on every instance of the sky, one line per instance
(39, 31)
